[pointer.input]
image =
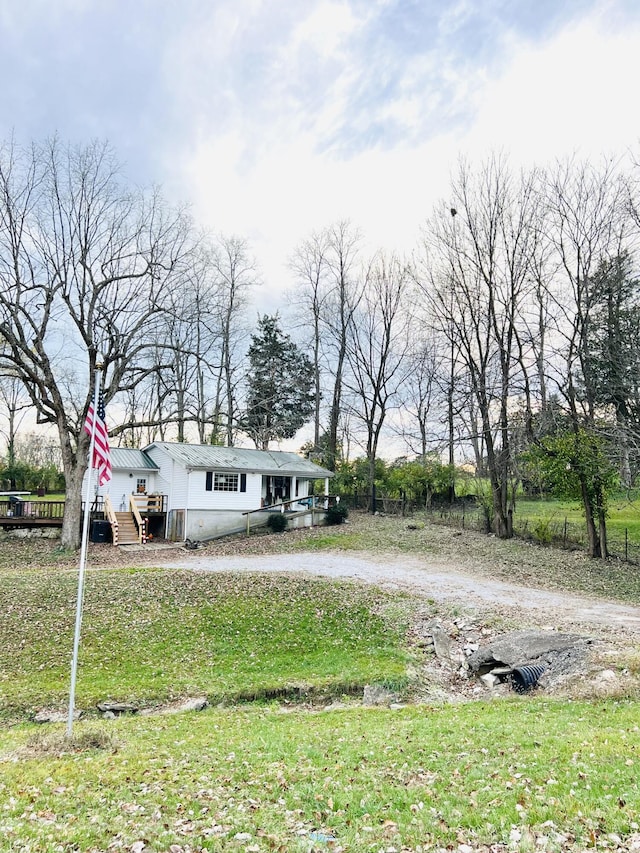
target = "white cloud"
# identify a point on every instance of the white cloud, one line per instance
(271, 176)
(325, 29)
(575, 93)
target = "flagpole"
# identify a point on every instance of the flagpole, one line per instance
(83, 554)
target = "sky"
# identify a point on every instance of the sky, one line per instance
(274, 118)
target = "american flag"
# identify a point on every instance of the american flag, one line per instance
(101, 451)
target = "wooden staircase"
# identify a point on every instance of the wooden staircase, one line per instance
(127, 530)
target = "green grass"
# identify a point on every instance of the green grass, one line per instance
(523, 773)
(49, 496)
(624, 512)
(549, 520)
(151, 635)
(526, 774)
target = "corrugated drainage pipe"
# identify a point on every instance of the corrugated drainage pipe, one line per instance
(524, 678)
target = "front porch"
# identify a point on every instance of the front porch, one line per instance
(309, 510)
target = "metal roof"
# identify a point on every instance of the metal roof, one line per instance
(131, 460)
(209, 457)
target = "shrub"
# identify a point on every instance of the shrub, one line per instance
(542, 531)
(277, 522)
(337, 514)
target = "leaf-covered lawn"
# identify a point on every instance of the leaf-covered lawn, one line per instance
(152, 635)
(522, 774)
(509, 776)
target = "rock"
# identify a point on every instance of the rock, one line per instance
(441, 643)
(489, 680)
(48, 715)
(607, 676)
(117, 708)
(605, 682)
(521, 647)
(374, 694)
(195, 703)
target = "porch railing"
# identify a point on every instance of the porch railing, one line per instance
(311, 504)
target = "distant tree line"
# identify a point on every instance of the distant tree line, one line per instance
(507, 339)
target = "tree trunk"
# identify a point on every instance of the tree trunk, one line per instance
(501, 526)
(72, 521)
(593, 534)
(334, 415)
(372, 481)
(602, 534)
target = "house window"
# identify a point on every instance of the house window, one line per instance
(225, 482)
(217, 482)
(141, 486)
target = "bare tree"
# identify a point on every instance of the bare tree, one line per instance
(586, 215)
(309, 264)
(339, 307)
(377, 351)
(421, 394)
(85, 266)
(476, 279)
(16, 405)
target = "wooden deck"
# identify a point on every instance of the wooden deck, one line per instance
(28, 513)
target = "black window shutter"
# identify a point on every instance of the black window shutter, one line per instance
(209, 483)
(243, 482)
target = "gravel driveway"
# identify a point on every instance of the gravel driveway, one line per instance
(439, 581)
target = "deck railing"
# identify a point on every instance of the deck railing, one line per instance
(149, 503)
(32, 510)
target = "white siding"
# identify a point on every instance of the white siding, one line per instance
(171, 480)
(200, 498)
(121, 485)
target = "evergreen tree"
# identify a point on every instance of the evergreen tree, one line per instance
(611, 361)
(280, 398)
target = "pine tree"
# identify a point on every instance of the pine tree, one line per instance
(280, 398)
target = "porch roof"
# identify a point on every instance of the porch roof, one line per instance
(209, 457)
(129, 459)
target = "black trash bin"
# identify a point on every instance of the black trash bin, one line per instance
(16, 505)
(100, 531)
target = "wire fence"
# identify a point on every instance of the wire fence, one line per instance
(558, 533)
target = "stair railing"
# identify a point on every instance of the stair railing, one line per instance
(111, 518)
(139, 520)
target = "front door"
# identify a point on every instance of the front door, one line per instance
(276, 490)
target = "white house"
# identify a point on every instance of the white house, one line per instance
(194, 491)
